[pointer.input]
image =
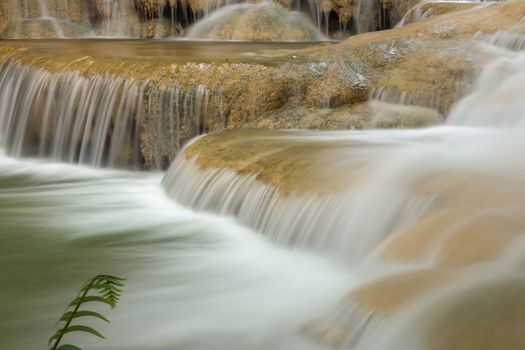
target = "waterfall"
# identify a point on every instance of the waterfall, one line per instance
(68, 116)
(45, 17)
(498, 100)
(353, 219)
(97, 120)
(171, 18)
(431, 221)
(266, 21)
(184, 112)
(505, 39)
(331, 222)
(366, 16)
(429, 8)
(435, 100)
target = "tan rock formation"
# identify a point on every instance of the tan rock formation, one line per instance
(45, 29)
(255, 22)
(491, 317)
(428, 9)
(357, 116)
(419, 64)
(73, 14)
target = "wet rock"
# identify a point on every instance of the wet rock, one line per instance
(358, 116)
(426, 65)
(25, 15)
(429, 9)
(254, 22)
(45, 29)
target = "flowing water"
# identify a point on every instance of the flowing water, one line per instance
(98, 120)
(216, 260)
(171, 19)
(392, 202)
(265, 21)
(190, 276)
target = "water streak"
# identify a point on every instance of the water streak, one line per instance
(96, 120)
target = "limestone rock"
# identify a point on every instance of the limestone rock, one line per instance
(254, 22)
(429, 9)
(418, 65)
(358, 116)
(45, 29)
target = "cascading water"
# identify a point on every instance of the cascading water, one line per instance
(511, 39)
(429, 8)
(392, 207)
(404, 239)
(44, 18)
(496, 101)
(266, 21)
(85, 220)
(97, 121)
(161, 19)
(405, 202)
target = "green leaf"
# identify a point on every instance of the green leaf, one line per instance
(84, 329)
(115, 278)
(103, 288)
(88, 299)
(78, 314)
(68, 347)
(108, 289)
(117, 283)
(55, 336)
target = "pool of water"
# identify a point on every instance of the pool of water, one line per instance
(194, 280)
(175, 50)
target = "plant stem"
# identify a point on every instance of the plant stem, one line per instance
(70, 319)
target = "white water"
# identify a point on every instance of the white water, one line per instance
(508, 40)
(202, 281)
(126, 18)
(241, 17)
(390, 161)
(498, 100)
(96, 121)
(404, 177)
(411, 98)
(418, 12)
(484, 135)
(195, 281)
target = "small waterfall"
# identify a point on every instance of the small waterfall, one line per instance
(40, 21)
(68, 117)
(498, 99)
(431, 220)
(366, 16)
(43, 8)
(184, 112)
(331, 222)
(504, 39)
(256, 22)
(438, 101)
(430, 8)
(171, 18)
(385, 199)
(97, 120)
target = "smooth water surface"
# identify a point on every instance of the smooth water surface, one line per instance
(194, 281)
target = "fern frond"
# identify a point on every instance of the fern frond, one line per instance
(108, 289)
(90, 298)
(70, 329)
(68, 347)
(70, 315)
